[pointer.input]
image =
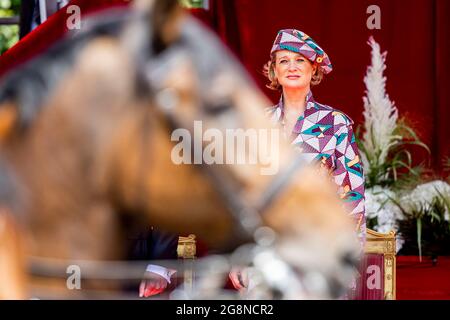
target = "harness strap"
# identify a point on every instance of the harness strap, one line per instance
(247, 216)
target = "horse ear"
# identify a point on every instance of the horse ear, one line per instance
(8, 120)
(165, 21)
(166, 18)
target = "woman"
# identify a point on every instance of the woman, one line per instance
(320, 132)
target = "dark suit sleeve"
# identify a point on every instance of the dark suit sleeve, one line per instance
(154, 244)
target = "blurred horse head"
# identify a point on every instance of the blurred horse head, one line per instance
(88, 128)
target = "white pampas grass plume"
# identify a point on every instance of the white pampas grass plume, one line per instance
(380, 113)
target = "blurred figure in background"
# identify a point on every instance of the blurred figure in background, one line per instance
(35, 12)
(321, 133)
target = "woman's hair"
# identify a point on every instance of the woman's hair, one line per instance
(269, 72)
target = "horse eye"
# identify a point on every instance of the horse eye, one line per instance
(217, 109)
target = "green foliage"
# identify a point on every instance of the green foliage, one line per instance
(426, 230)
(398, 171)
(12, 5)
(9, 34)
(387, 148)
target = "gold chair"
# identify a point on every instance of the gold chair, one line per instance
(379, 262)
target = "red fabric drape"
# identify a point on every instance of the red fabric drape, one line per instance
(415, 33)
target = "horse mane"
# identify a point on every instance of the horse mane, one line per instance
(29, 85)
(8, 188)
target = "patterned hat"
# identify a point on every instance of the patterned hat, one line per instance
(300, 42)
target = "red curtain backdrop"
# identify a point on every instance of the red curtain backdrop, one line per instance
(416, 34)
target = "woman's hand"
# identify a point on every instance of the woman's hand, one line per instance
(152, 284)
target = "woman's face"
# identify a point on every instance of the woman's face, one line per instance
(293, 70)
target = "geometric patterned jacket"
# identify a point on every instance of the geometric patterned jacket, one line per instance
(325, 135)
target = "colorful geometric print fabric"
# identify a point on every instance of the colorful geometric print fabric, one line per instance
(298, 41)
(325, 135)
